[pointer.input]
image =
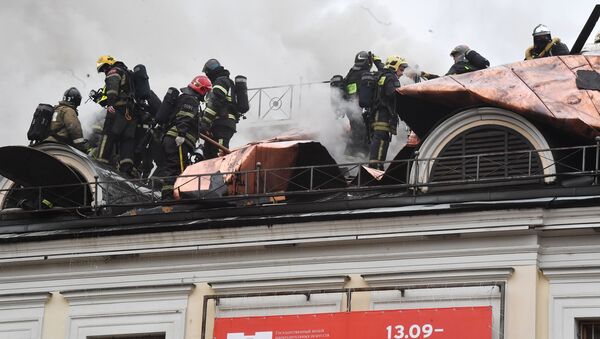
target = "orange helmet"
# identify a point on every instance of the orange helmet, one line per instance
(201, 84)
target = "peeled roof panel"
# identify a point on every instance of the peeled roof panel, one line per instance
(30, 167)
(23, 165)
(542, 89)
(275, 159)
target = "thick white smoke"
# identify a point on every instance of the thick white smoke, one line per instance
(50, 46)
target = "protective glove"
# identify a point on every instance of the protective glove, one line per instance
(82, 146)
(179, 140)
(110, 109)
(428, 76)
(375, 58)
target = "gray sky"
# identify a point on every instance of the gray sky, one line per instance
(49, 46)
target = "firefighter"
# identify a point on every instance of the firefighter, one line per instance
(182, 132)
(220, 116)
(385, 118)
(148, 149)
(544, 45)
(466, 60)
(357, 143)
(120, 124)
(593, 48)
(65, 126)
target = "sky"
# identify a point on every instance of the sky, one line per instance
(49, 46)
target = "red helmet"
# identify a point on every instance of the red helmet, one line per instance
(201, 84)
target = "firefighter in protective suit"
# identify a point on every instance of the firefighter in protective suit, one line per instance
(220, 116)
(182, 132)
(385, 119)
(466, 60)
(65, 126)
(358, 142)
(544, 45)
(119, 124)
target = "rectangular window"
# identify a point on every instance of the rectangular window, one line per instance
(589, 329)
(130, 336)
(279, 305)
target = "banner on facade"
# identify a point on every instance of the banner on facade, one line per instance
(429, 323)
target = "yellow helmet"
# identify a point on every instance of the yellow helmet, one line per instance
(104, 60)
(395, 61)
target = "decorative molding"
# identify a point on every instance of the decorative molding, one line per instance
(372, 256)
(130, 310)
(443, 276)
(283, 284)
(156, 292)
(172, 324)
(578, 273)
(256, 236)
(22, 299)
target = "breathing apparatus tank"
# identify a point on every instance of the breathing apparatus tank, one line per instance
(168, 106)
(241, 94)
(140, 82)
(367, 88)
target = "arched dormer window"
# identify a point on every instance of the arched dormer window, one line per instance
(483, 144)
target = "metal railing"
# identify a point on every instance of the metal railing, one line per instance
(270, 185)
(277, 102)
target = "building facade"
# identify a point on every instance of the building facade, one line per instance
(534, 264)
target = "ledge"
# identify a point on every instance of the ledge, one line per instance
(447, 276)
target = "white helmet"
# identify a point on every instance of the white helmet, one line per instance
(541, 30)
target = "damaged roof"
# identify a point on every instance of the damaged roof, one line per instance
(543, 90)
(274, 165)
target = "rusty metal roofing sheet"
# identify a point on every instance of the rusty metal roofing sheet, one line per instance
(275, 158)
(542, 90)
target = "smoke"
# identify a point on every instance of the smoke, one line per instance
(50, 46)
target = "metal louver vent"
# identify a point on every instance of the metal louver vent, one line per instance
(486, 153)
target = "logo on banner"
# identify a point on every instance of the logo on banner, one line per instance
(257, 335)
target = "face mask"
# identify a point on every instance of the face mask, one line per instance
(542, 40)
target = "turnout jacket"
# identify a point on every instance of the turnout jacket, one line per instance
(65, 126)
(353, 78)
(185, 123)
(119, 91)
(554, 47)
(385, 118)
(220, 105)
(472, 61)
